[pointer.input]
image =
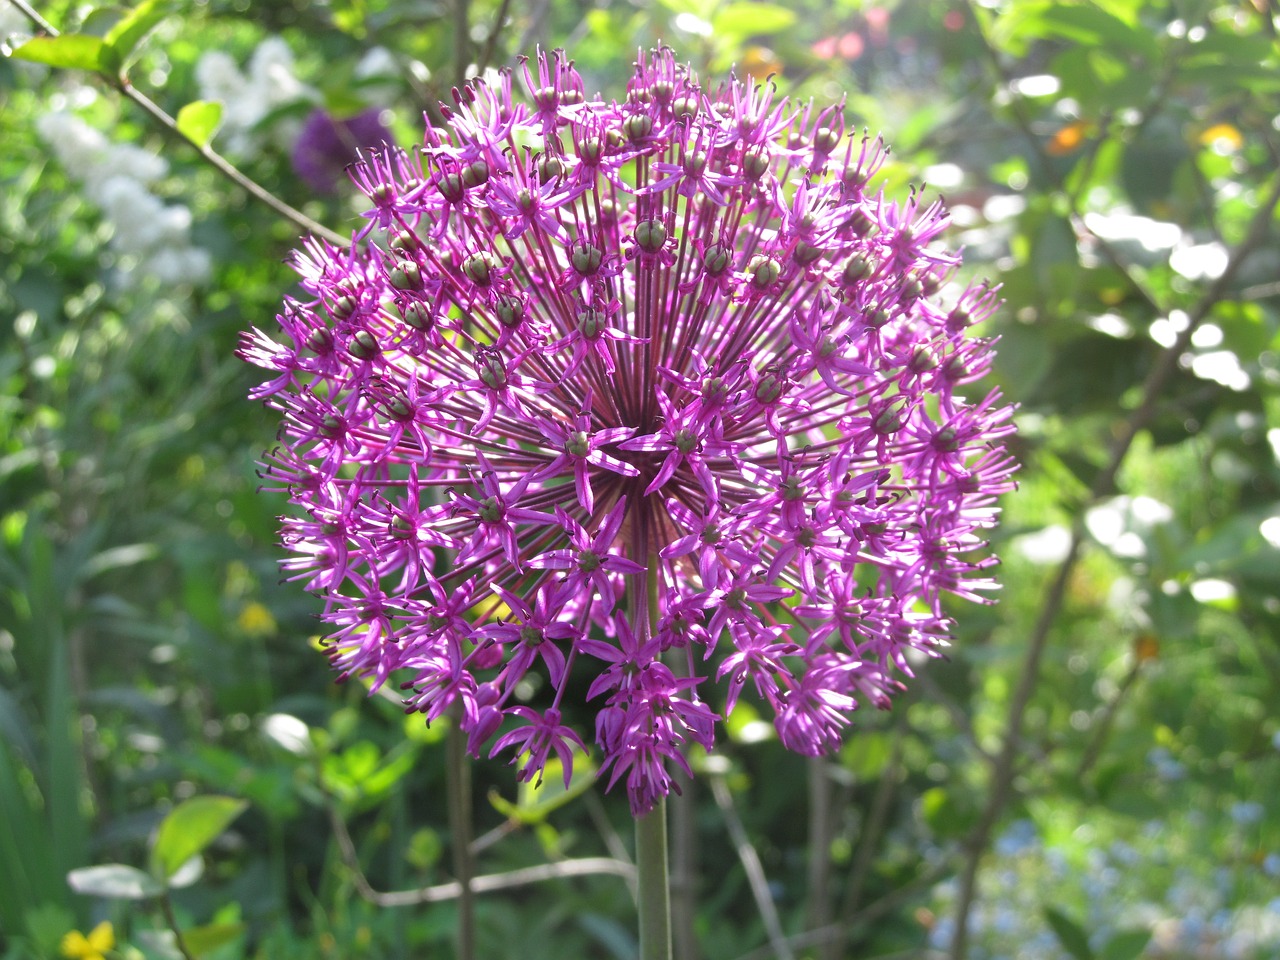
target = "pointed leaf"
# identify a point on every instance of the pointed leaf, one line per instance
(198, 120)
(1069, 933)
(125, 36)
(1126, 945)
(190, 827)
(115, 880)
(72, 50)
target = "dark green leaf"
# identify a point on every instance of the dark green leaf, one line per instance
(1069, 933)
(1126, 945)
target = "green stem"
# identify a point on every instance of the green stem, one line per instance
(166, 905)
(653, 888)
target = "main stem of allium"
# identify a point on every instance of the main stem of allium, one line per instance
(653, 881)
(654, 891)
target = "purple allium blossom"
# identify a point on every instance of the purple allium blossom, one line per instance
(659, 393)
(327, 146)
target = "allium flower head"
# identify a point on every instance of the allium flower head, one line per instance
(658, 393)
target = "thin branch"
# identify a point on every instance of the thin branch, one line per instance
(1152, 389)
(491, 41)
(458, 788)
(166, 905)
(485, 883)
(822, 819)
(869, 841)
(886, 904)
(1094, 750)
(122, 85)
(1005, 770)
(461, 40)
(780, 949)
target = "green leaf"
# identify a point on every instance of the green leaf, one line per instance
(1069, 933)
(206, 939)
(190, 827)
(536, 801)
(752, 19)
(115, 880)
(1126, 945)
(125, 36)
(198, 120)
(74, 51)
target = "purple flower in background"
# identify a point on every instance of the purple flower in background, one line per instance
(327, 146)
(659, 393)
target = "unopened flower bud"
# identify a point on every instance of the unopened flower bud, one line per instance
(343, 307)
(363, 345)
(451, 187)
(763, 271)
(716, 259)
(637, 126)
(825, 140)
(685, 108)
(475, 173)
(405, 275)
(480, 267)
(510, 310)
(650, 235)
(585, 258)
(417, 315)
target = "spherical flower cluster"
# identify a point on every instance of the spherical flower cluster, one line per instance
(654, 395)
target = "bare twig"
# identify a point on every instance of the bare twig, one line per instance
(1152, 388)
(1005, 769)
(886, 904)
(458, 787)
(1094, 750)
(780, 948)
(869, 841)
(491, 41)
(166, 905)
(485, 883)
(821, 833)
(121, 84)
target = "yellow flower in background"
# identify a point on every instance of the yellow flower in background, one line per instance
(1222, 137)
(93, 947)
(256, 620)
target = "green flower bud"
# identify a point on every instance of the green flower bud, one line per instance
(650, 235)
(362, 345)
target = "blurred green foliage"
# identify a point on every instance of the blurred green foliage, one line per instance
(1108, 161)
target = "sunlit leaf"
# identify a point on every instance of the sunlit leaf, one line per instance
(198, 120)
(71, 50)
(124, 37)
(752, 20)
(190, 827)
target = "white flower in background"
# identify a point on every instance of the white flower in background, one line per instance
(15, 28)
(249, 97)
(115, 178)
